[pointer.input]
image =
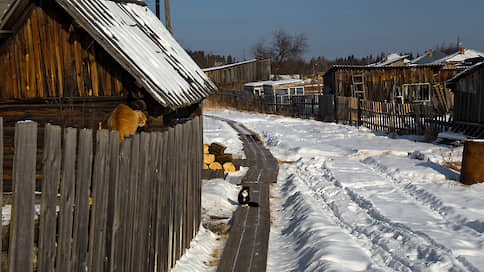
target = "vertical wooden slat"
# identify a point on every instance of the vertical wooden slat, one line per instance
(22, 228)
(132, 208)
(171, 196)
(121, 216)
(111, 193)
(156, 143)
(81, 214)
(1, 187)
(67, 200)
(51, 162)
(178, 191)
(163, 212)
(99, 202)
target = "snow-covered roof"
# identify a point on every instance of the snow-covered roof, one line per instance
(228, 65)
(465, 72)
(427, 58)
(392, 58)
(285, 81)
(457, 57)
(140, 43)
(257, 83)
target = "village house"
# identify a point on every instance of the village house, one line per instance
(430, 56)
(400, 84)
(66, 63)
(70, 63)
(468, 89)
(464, 58)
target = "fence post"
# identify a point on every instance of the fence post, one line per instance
(51, 161)
(335, 99)
(22, 236)
(358, 122)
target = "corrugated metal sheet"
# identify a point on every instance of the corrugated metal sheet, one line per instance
(4, 5)
(139, 42)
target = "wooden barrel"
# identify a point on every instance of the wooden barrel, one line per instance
(473, 162)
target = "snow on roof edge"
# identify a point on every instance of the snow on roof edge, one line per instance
(227, 66)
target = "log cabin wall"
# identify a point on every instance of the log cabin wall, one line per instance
(379, 81)
(234, 77)
(469, 97)
(53, 71)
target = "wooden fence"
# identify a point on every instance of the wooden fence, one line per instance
(378, 116)
(103, 206)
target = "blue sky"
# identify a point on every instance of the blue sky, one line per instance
(334, 28)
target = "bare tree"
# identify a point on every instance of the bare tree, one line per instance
(284, 48)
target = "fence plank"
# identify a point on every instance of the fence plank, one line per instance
(133, 200)
(81, 213)
(67, 200)
(51, 162)
(111, 194)
(121, 215)
(22, 236)
(163, 216)
(99, 202)
(154, 192)
(1, 190)
(172, 201)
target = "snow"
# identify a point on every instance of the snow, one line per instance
(139, 41)
(219, 201)
(228, 65)
(283, 81)
(355, 200)
(458, 57)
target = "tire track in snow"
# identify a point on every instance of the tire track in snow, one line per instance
(427, 199)
(399, 246)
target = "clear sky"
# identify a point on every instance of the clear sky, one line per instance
(334, 28)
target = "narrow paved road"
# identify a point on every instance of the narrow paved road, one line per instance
(246, 248)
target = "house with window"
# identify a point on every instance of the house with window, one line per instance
(281, 91)
(400, 84)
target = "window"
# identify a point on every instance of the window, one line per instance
(282, 91)
(416, 92)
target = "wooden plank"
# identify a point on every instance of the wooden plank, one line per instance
(51, 162)
(132, 207)
(67, 200)
(171, 196)
(81, 213)
(22, 226)
(162, 207)
(1, 189)
(121, 215)
(178, 192)
(99, 202)
(111, 193)
(156, 142)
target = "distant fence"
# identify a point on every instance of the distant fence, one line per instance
(378, 116)
(103, 206)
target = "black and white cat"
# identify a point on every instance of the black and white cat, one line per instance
(244, 196)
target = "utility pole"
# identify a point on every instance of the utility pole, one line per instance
(167, 16)
(157, 8)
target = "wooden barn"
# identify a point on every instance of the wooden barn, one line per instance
(468, 89)
(234, 76)
(401, 84)
(71, 62)
(135, 206)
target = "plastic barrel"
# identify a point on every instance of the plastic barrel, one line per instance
(472, 170)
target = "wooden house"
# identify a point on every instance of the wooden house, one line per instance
(399, 84)
(72, 62)
(468, 88)
(234, 76)
(281, 91)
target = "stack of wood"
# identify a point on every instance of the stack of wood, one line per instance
(215, 158)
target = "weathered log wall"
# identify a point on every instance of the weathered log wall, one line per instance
(234, 77)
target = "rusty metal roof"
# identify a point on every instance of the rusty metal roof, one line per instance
(140, 43)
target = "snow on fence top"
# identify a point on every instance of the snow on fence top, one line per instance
(140, 43)
(228, 65)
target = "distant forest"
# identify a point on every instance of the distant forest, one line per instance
(298, 65)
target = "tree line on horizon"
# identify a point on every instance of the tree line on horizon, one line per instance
(286, 52)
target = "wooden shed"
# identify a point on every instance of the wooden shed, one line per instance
(468, 89)
(72, 62)
(234, 76)
(401, 84)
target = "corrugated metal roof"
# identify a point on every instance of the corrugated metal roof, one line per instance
(465, 72)
(140, 43)
(4, 6)
(228, 65)
(426, 59)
